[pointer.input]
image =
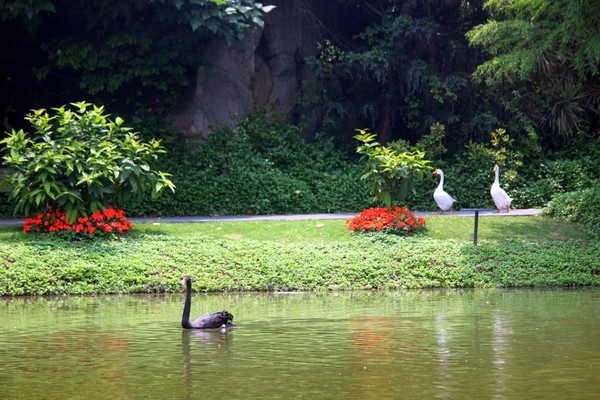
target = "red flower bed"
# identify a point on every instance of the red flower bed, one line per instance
(103, 222)
(395, 220)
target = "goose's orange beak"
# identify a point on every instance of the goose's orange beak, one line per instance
(435, 172)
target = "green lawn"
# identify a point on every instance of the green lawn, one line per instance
(301, 255)
(492, 229)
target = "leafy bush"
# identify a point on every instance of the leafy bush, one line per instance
(582, 206)
(79, 160)
(390, 171)
(531, 175)
(261, 166)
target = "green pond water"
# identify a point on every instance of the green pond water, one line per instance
(473, 344)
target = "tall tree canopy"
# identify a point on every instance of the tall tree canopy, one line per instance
(402, 65)
(134, 52)
(399, 67)
(395, 66)
(545, 58)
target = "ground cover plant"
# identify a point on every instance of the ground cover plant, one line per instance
(259, 256)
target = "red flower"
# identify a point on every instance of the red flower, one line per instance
(397, 220)
(110, 221)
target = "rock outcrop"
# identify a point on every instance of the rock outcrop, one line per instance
(264, 69)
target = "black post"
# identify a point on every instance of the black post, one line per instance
(476, 227)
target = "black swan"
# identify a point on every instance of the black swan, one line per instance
(209, 321)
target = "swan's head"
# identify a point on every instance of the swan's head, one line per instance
(227, 315)
(185, 279)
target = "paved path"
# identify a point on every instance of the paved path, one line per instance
(462, 213)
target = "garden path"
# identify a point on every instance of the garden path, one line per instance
(216, 218)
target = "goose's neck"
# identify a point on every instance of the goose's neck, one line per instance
(441, 185)
(497, 180)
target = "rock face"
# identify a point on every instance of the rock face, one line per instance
(266, 68)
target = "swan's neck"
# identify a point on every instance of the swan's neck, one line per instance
(185, 318)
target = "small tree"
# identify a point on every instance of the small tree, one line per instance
(80, 161)
(392, 173)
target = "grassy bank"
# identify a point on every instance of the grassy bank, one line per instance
(301, 255)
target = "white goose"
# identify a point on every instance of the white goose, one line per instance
(501, 199)
(443, 199)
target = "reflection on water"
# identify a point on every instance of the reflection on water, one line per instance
(195, 344)
(496, 344)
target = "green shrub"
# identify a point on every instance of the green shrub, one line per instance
(391, 171)
(261, 166)
(581, 206)
(79, 160)
(531, 177)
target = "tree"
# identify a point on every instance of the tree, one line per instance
(545, 58)
(128, 54)
(404, 66)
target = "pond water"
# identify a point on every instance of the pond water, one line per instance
(472, 344)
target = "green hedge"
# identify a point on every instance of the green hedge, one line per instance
(264, 166)
(259, 167)
(581, 206)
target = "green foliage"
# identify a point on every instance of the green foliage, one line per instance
(30, 9)
(152, 52)
(261, 166)
(391, 72)
(79, 160)
(154, 262)
(548, 52)
(391, 173)
(581, 206)
(130, 54)
(523, 31)
(432, 144)
(501, 150)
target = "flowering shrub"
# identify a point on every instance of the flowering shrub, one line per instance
(395, 220)
(78, 159)
(107, 222)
